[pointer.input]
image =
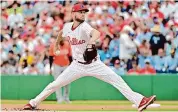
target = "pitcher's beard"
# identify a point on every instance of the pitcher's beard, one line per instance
(79, 20)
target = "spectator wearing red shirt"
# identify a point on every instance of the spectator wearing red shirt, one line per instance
(155, 12)
(148, 69)
(119, 24)
(40, 47)
(135, 70)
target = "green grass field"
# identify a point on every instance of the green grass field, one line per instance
(166, 106)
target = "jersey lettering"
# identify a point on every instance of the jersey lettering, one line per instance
(75, 41)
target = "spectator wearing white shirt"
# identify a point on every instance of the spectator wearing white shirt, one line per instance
(15, 18)
(126, 44)
(144, 13)
(41, 6)
(167, 8)
(98, 9)
(33, 70)
(7, 68)
(23, 68)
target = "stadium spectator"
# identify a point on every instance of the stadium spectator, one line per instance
(144, 13)
(172, 62)
(144, 35)
(148, 69)
(114, 46)
(38, 61)
(128, 28)
(144, 47)
(144, 55)
(133, 59)
(159, 61)
(119, 67)
(135, 69)
(28, 11)
(29, 56)
(23, 68)
(12, 62)
(127, 45)
(4, 17)
(157, 40)
(40, 47)
(6, 68)
(107, 60)
(104, 53)
(167, 7)
(106, 41)
(40, 6)
(33, 70)
(14, 19)
(169, 45)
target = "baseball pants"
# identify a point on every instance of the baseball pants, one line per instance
(96, 69)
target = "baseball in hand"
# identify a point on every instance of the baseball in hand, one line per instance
(57, 52)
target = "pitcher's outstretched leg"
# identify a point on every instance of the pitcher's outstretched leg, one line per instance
(104, 73)
(70, 74)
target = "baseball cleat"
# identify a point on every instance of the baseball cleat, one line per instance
(28, 107)
(67, 101)
(60, 101)
(145, 102)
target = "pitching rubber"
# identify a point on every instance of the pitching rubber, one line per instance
(149, 106)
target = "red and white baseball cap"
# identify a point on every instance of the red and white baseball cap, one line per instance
(79, 7)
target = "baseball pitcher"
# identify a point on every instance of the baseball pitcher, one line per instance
(86, 62)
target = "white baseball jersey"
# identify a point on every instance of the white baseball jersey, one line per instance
(78, 38)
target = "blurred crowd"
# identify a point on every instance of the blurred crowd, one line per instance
(137, 37)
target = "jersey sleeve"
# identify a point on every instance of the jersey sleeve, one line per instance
(87, 28)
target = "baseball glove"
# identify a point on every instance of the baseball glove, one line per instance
(90, 53)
